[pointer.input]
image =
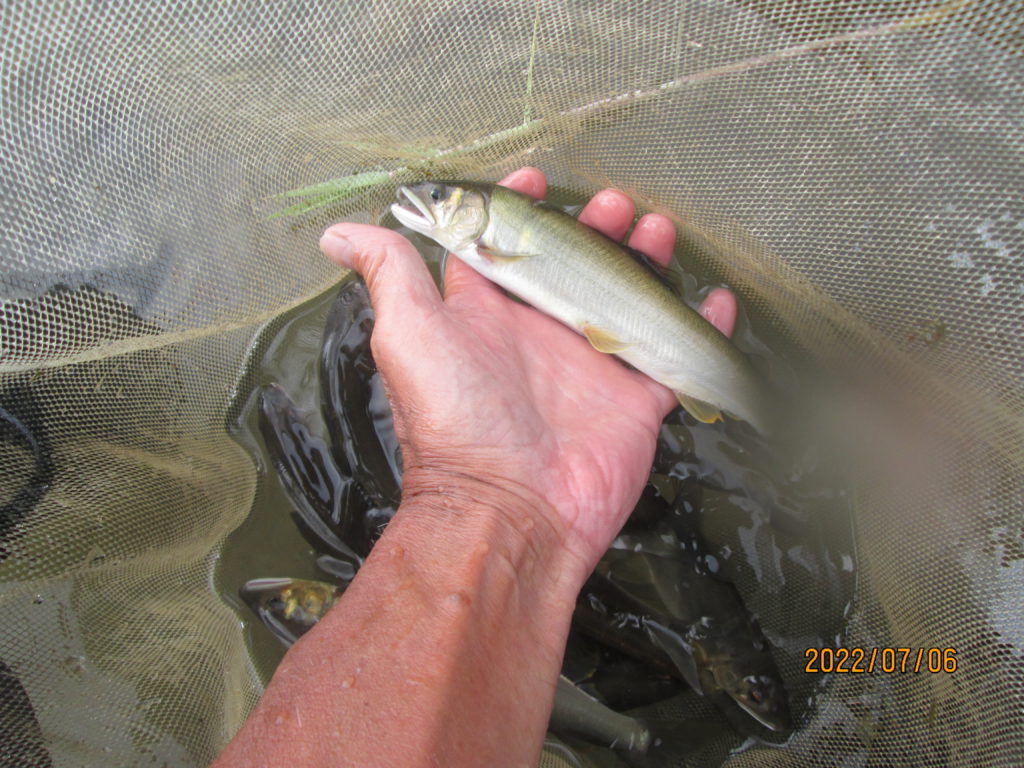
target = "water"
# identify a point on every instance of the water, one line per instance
(773, 521)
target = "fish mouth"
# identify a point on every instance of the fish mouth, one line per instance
(419, 217)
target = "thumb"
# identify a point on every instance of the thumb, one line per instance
(401, 289)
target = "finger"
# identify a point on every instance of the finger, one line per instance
(654, 235)
(719, 309)
(401, 289)
(665, 399)
(609, 212)
(460, 278)
(530, 181)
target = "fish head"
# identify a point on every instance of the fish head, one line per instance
(763, 697)
(288, 607)
(451, 213)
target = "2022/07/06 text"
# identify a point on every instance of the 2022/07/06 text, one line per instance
(888, 660)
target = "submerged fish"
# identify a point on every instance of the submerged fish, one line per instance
(355, 406)
(661, 590)
(627, 684)
(289, 607)
(325, 502)
(593, 285)
(579, 713)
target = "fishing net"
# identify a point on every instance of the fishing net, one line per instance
(852, 170)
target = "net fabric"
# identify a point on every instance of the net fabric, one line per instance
(852, 169)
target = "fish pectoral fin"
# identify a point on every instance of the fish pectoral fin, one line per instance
(492, 254)
(603, 341)
(678, 651)
(700, 410)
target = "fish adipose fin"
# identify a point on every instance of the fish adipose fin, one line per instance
(603, 341)
(700, 410)
(495, 255)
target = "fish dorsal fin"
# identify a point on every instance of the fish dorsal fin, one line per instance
(493, 254)
(700, 410)
(678, 650)
(603, 341)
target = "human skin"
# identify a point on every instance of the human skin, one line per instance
(524, 451)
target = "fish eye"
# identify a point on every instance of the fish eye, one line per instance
(436, 193)
(756, 696)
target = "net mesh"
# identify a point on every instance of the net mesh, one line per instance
(851, 169)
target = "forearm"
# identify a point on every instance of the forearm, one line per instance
(444, 650)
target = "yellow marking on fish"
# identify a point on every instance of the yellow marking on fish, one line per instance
(699, 409)
(290, 607)
(603, 341)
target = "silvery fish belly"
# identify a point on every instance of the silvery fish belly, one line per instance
(590, 283)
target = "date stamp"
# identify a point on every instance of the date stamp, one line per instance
(887, 660)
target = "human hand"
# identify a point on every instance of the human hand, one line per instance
(499, 401)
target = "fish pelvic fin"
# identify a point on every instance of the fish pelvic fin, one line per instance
(603, 341)
(699, 409)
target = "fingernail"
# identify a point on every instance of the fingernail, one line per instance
(337, 248)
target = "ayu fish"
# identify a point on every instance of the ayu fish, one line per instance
(658, 594)
(592, 284)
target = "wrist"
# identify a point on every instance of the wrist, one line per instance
(463, 512)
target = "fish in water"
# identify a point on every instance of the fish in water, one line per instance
(579, 713)
(354, 404)
(595, 286)
(648, 583)
(324, 501)
(291, 607)
(344, 491)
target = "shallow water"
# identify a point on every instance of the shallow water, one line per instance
(775, 522)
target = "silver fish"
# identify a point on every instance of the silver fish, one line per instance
(583, 715)
(699, 621)
(587, 281)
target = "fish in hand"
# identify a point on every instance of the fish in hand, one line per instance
(592, 284)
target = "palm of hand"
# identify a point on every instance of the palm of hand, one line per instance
(520, 395)
(483, 386)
